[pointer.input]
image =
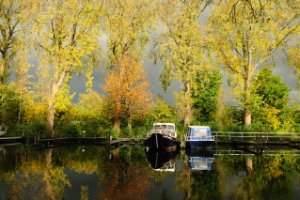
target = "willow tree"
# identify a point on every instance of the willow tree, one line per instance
(246, 35)
(181, 46)
(128, 23)
(66, 41)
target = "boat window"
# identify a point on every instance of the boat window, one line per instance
(163, 127)
(200, 132)
(157, 128)
(171, 128)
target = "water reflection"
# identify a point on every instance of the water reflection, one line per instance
(95, 172)
(161, 160)
(200, 158)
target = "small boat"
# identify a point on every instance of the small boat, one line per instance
(163, 136)
(199, 136)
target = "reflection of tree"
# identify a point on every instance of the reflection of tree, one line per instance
(183, 178)
(34, 176)
(260, 177)
(197, 184)
(128, 176)
(82, 159)
(54, 178)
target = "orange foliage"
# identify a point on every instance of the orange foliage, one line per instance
(127, 89)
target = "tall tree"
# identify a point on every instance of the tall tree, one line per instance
(180, 46)
(66, 38)
(13, 18)
(128, 23)
(272, 96)
(294, 59)
(127, 90)
(246, 35)
(205, 92)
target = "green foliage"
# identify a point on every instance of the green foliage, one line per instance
(85, 118)
(205, 92)
(128, 24)
(9, 104)
(241, 36)
(273, 96)
(245, 35)
(272, 90)
(180, 47)
(161, 112)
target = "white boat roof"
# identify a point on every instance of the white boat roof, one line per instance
(170, 124)
(199, 127)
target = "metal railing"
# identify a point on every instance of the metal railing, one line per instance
(220, 135)
(199, 138)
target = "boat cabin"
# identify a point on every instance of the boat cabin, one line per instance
(199, 133)
(165, 128)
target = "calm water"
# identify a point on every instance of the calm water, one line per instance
(93, 172)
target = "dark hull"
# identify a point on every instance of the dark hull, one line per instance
(201, 152)
(197, 144)
(157, 159)
(161, 141)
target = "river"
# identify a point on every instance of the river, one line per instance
(133, 172)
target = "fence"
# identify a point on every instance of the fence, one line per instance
(262, 137)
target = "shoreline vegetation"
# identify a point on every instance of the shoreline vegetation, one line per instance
(200, 44)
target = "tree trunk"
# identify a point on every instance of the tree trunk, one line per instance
(47, 177)
(187, 112)
(50, 117)
(129, 125)
(52, 100)
(117, 124)
(247, 117)
(4, 68)
(247, 98)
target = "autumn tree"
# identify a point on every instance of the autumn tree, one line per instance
(246, 35)
(66, 41)
(127, 91)
(180, 46)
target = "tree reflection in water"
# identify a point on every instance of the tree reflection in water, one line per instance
(126, 173)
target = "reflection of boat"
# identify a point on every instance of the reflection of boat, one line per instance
(2, 149)
(162, 136)
(161, 160)
(3, 131)
(199, 136)
(200, 163)
(200, 159)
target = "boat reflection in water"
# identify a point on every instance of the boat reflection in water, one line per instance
(161, 160)
(200, 158)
